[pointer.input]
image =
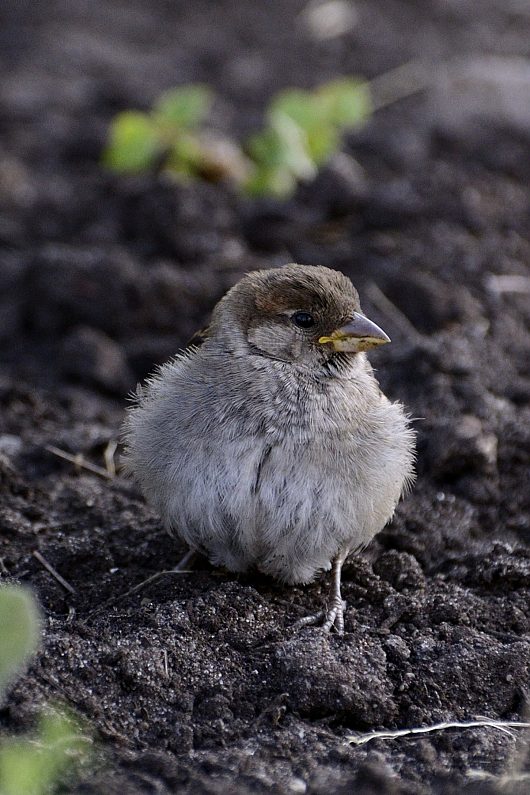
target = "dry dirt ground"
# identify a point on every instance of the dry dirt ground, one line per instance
(198, 684)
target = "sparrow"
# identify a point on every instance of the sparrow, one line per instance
(270, 445)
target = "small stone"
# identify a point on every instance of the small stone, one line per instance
(297, 786)
(463, 447)
(400, 569)
(396, 649)
(10, 445)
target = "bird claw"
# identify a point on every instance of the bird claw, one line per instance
(332, 618)
(335, 617)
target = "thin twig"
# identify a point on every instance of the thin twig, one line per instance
(403, 81)
(361, 739)
(108, 456)
(514, 770)
(137, 588)
(53, 571)
(508, 283)
(166, 668)
(385, 305)
(502, 781)
(178, 569)
(79, 461)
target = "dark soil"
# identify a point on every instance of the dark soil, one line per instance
(198, 684)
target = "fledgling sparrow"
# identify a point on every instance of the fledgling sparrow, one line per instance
(271, 446)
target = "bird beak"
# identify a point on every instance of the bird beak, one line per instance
(358, 334)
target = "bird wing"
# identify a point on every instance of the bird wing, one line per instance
(198, 338)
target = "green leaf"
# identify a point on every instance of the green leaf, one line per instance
(322, 142)
(60, 730)
(270, 182)
(185, 156)
(185, 107)
(299, 105)
(32, 766)
(293, 146)
(134, 143)
(313, 117)
(282, 145)
(281, 156)
(19, 631)
(264, 148)
(345, 102)
(22, 771)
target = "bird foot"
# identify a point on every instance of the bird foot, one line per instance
(332, 618)
(335, 616)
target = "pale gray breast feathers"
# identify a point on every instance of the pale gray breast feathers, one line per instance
(261, 467)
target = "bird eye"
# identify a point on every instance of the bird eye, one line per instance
(303, 319)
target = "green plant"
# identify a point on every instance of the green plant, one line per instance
(31, 765)
(19, 631)
(137, 141)
(303, 129)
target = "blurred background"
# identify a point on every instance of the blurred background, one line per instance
(432, 189)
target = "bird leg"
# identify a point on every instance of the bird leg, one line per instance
(334, 615)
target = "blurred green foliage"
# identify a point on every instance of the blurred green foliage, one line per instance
(19, 632)
(31, 765)
(134, 142)
(303, 130)
(137, 141)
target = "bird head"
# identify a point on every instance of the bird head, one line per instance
(298, 313)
